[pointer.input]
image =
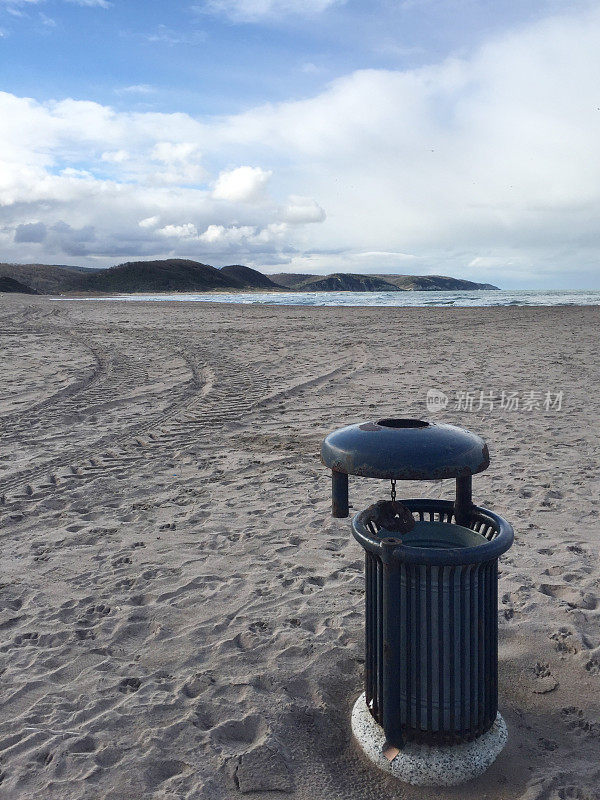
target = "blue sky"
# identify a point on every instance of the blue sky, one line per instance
(205, 58)
(427, 136)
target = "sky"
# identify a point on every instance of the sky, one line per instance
(453, 137)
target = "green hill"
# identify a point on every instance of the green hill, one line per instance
(185, 275)
(44, 278)
(169, 275)
(433, 283)
(11, 285)
(342, 282)
(292, 280)
(249, 277)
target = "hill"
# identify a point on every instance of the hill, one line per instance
(342, 282)
(44, 278)
(433, 283)
(11, 285)
(249, 277)
(406, 283)
(173, 274)
(292, 280)
(185, 275)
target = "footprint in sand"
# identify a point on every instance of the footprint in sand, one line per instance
(543, 681)
(576, 720)
(567, 641)
(203, 718)
(593, 666)
(129, 685)
(575, 598)
(236, 734)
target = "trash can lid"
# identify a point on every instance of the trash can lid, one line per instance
(405, 449)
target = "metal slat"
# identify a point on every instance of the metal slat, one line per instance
(473, 576)
(369, 666)
(441, 659)
(428, 647)
(451, 651)
(379, 628)
(418, 659)
(462, 651)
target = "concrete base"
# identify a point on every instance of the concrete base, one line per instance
(422, 765)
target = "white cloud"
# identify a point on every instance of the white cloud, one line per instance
(242, 185)
(115, 156)
(136, 88)
(302, 210)
(171, 37)
(185, 231)
(174, 152)
(149, 222)
(483, 166)
(91, 3)
(250, 10)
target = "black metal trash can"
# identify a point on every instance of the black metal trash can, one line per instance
(431, 661)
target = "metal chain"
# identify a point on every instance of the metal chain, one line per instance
(393, 491)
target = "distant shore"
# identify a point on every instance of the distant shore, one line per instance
(425, 299)
(184, 275)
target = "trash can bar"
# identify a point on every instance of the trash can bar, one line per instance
(405, 449)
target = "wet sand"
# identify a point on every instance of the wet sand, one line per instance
(180, 616)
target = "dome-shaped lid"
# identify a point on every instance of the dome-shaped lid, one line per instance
(405, 449)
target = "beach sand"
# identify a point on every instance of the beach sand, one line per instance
(180, 615)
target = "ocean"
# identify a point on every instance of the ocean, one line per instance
(485, 298)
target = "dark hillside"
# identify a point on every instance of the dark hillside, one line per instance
(173, 274)
(342, 282)
(11, 285)
(249, 277)
(44, 278)
(292, 280)
(433, 283)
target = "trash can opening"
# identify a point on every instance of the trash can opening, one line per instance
(440, 536)
(402, 423)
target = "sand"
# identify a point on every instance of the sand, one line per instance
(180, 615)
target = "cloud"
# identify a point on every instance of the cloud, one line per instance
(30, 232)
(185, 231)
(242, 185)
(181, 161)
(252, 10)
(168, 36)
(302, 210)
(149, 222)
(91, 3)
(136, 88)
(110, 185)
(486, 166)
(115, 156)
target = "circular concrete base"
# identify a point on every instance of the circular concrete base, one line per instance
(423, 765)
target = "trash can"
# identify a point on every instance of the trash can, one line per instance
(431, 574)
